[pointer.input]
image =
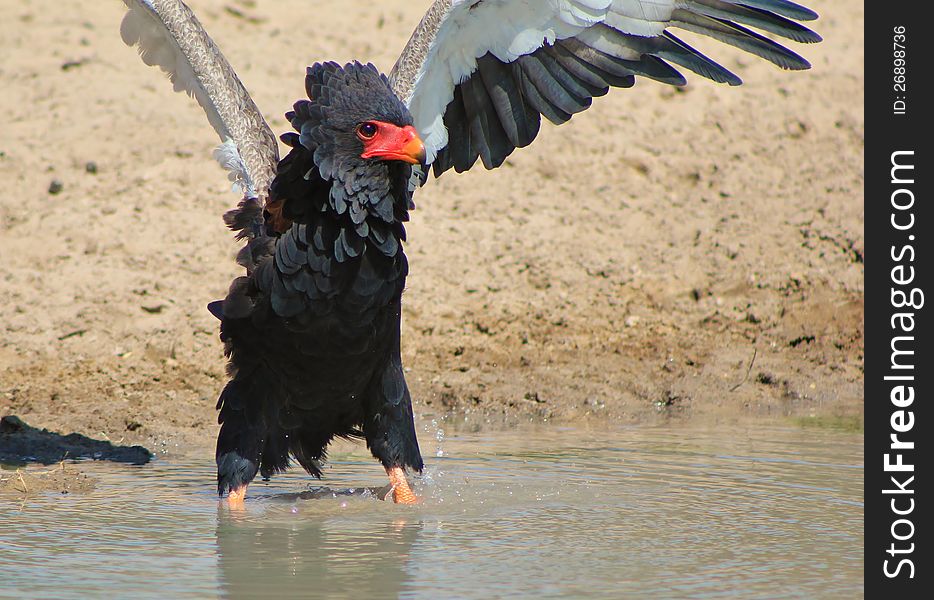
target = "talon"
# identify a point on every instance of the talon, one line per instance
(236, 497)
(400, 491)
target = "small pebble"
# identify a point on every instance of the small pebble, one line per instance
(56, 186)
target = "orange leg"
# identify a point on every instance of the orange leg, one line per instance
(236, 497)
(401, 492)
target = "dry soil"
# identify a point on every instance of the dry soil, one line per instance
(670, 253)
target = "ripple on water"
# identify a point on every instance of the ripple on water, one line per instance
(642, 512)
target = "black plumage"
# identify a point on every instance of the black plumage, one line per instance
(312, 332)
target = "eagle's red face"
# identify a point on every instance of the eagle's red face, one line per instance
(390, 142)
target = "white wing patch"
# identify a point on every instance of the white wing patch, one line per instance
(618, 38)
(506, 28)
(228, 156)
(640, 17)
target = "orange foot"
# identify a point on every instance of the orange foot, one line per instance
(400, 491)
(236, 497)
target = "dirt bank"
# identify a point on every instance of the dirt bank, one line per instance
(692, 252)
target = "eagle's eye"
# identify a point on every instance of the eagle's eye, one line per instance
(366, 131)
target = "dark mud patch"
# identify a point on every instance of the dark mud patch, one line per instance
(21, 443)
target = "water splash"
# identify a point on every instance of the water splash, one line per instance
(439, 436)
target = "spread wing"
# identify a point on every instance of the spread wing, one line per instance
(478, 75)
(169, 36)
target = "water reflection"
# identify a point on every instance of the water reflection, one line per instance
(302, 557)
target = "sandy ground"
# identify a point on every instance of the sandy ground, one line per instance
(668, 254)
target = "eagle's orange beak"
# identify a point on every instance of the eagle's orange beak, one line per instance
(391, 142)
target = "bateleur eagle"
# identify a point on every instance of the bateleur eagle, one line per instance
(312, 328)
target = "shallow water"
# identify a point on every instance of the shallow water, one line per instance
(630, 513)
